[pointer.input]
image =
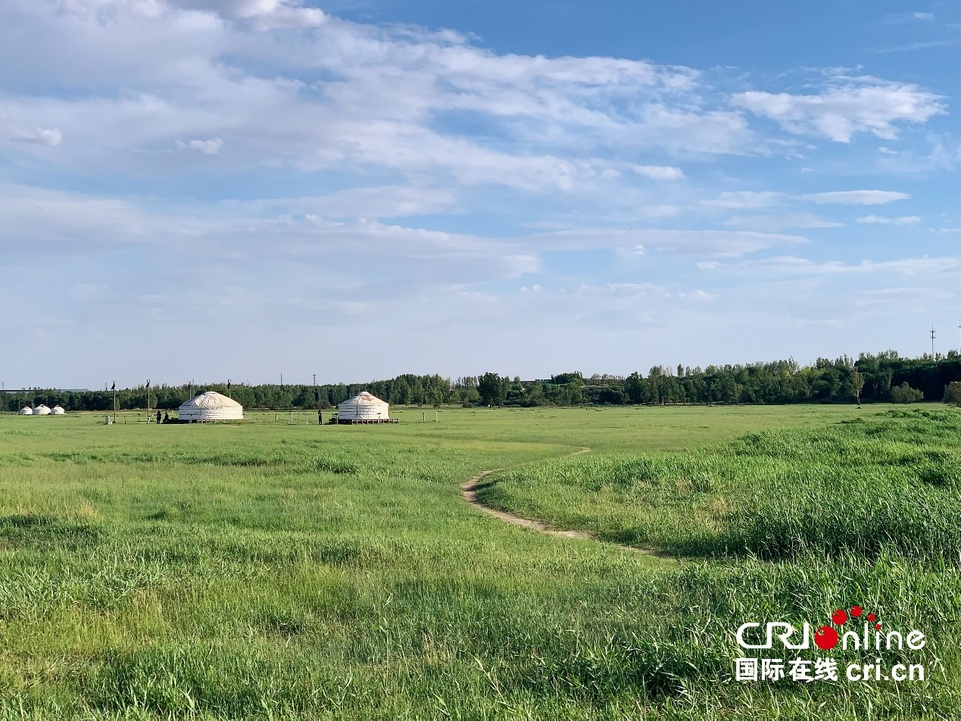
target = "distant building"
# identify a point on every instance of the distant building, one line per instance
(211, 406)
(364, 408)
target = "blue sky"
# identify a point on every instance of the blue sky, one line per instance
(204, 189)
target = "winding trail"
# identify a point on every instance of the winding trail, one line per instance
(469, 492)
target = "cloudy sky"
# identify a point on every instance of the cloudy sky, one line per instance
(360, 188)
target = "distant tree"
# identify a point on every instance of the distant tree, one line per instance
(857, 383)
(565, 378)
(654, 389)
(952, 393)
(492, 389)
(727, 388)
(634, 387)
(905, 394)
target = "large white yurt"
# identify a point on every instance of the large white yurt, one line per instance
(363, 408)
(26, 411)
(41, 410)
(57, 411)
(211, 406)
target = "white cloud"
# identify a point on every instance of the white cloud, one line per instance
(923, 16)
(802, 266)
(40, 136)
(190, 111)
(62, 224)
(373, 202)
(711, 243)
(856, 197)
(657, 211)
(345, 94)
(922, 45)
(881, 220)
(658, 172)
(941, 153)
(105, 10)
(848, 106)
(897, 299)
(205, 147)
(266, 13)
(773, 223)
(744, 199)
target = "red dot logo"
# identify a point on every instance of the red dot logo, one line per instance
(826, 638)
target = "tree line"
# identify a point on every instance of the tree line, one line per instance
(882, 377)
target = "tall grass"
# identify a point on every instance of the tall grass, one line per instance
(266, 571)
(890, 483)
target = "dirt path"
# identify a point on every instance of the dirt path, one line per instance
(469, 491)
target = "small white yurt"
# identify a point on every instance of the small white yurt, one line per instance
(57, 411)
(363, 408)
(211, 406)
(41, 410)
(26, 411)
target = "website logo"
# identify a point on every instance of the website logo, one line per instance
(850, 630)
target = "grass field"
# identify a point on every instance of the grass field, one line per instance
(272, 569)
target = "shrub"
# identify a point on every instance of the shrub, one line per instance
(906, 394)
(952, 393)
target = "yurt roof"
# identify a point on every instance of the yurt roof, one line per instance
(211, 400)
(365, 397)
(26, 410)
(58, 409)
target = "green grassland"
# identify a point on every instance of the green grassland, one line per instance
(274, 569)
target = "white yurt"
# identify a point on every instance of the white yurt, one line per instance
(26, 411)
(211, 406)
(57, 411)
(363, 408)
(41, 410)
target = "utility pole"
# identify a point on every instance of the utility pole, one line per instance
(932, 342)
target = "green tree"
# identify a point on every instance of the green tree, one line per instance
(952, 393)
(634, 387)
(905, 394)
(857, 384)
(492, 389)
